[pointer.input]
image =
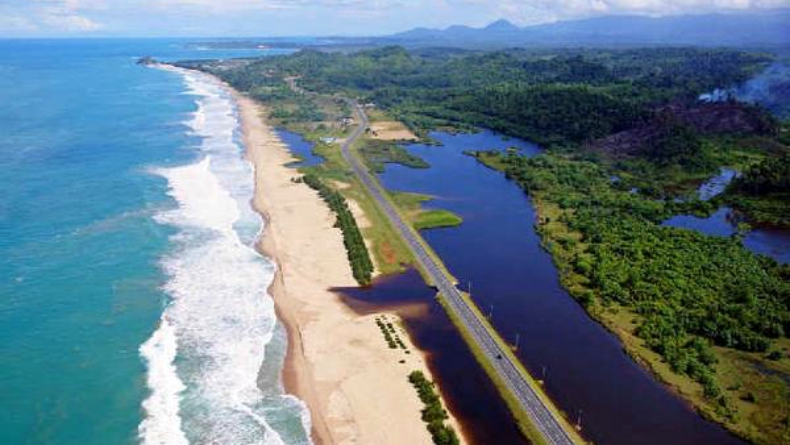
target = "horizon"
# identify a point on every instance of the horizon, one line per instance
(319, 18)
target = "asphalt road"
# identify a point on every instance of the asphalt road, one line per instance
(544, 421)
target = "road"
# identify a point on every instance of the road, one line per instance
(543, 419)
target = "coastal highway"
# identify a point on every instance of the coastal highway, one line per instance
(543, 419)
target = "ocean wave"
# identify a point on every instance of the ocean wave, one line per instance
(162, 425)
(205, 358)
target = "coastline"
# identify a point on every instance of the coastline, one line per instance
(336, 358)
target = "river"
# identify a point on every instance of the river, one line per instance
(497, 250)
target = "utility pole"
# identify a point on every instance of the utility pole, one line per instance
(579, 420)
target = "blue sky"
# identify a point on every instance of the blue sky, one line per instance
(54, 18)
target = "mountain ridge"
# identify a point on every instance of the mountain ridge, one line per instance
(770, 28)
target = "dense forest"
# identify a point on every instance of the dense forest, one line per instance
(725, 294)
(763, 192)
(555, 98)
(770, 176)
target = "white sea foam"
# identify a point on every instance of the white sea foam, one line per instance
(204, 360)
(162, 426)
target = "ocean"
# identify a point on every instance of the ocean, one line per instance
(133, 305)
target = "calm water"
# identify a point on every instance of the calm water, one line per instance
(300, 147)
(132, 306)
(774, 243)
(465, 386)
(498, 251)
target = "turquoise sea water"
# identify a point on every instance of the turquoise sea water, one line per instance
(124, 199)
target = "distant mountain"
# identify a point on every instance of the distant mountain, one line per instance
(502, 26)
(764, 28)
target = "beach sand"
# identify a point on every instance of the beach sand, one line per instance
(338, 362)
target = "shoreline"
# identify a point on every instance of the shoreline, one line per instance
(336, 358)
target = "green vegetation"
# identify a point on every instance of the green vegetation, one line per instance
(763, 192)
(680, 176)
(390, 334)
(356, 250)
(555, 97)
(434, 415)
(389, 251)
(676, 143)
(690, 298)
(421, 218)
(376, 153)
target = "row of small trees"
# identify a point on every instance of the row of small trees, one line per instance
(433, 414)
(357, 251)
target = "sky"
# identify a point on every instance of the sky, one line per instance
(217, 18)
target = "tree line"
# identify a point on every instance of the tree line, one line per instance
(434, 415)
(357, 251)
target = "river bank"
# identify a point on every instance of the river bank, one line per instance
(337, 359)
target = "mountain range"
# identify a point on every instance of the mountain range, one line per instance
(765, 28)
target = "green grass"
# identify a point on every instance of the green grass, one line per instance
(436, 218)
(771, 210)
(377, 153)
(421, 219)
(389, 251)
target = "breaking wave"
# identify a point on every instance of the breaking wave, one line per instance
(210, 370)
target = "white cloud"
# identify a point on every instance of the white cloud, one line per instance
(49, 16)
(59, 20)
(252, 5)
(15, 23)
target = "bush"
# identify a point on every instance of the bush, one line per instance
(433, 414)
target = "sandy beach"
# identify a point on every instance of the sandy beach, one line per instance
(338, 363)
